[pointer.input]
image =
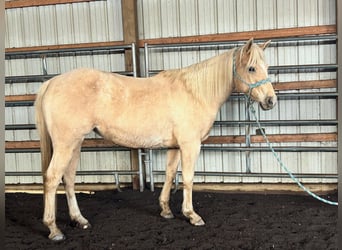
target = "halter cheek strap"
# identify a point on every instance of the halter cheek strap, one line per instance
(251, 86)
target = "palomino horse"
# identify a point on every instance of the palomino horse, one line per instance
(175, 109)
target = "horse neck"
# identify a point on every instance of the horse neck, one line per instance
(210, 81)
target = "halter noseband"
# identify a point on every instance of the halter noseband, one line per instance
(251, 86)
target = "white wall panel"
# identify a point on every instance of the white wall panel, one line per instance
(99, 21)
(48, 24)
(266, 17)
(226, 16)
(246, 18)
(198, 17)
(189, 18)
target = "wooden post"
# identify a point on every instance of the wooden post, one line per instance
(130, 35)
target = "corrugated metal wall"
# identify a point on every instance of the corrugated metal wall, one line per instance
(197, 17)
(98, 21)
(102, 21)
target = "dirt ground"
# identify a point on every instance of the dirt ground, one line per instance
(130, 220)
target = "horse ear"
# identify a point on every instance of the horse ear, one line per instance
(248, 45)
(265, 45)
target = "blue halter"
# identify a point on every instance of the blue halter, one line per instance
(251, 86)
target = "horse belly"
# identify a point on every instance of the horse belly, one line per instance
(138, 136)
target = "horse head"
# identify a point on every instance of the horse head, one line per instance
(250, 74)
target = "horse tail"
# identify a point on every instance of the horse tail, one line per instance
(45, 139)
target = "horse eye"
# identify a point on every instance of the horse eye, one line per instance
(251, 69)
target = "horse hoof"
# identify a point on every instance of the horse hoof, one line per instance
(198, 223)
(57, 238)
(167, 215)
(79, 225)
(86, 226)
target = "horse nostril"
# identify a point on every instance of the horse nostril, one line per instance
(269, 101)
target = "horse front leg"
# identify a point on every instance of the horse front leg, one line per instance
(189, 155)
(173, 157)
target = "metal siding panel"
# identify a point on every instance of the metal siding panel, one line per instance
(14, 28)
(11, 165)
(172, 59)
(151, 18)
(326, 12)
(226, 16)
(114, 19)
(80, 19)
(266, 14)
(286, 13)
(9, 134)
(231, 160)
(98, 21)
(246, 19)
(169, 22)
(88, 161)
(48, 25)
(188, 18)
(123, 162)
(207, 11)
(159, 164)
(309, 162)
(65, 25)
(31, 27)
(307, 13)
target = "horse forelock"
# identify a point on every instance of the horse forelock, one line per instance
(255, 55)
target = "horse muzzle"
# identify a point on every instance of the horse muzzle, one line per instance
(269, 102)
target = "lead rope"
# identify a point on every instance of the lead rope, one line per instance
(252, 110)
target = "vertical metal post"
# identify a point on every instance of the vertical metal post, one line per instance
(151, 169)
(141, 175)
(248, 137)
(140, 153)
(339, 103)
(134, 60)
(44, 65)
(147, 74)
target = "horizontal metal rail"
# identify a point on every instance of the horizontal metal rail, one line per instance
(115, 173)
(296, 41)
(42, 78)
(204, 147)
(83, 172)
(287, 69)
(267, 149)
(197, 173)
(278, 123)
(83, 149)
(234, 96)
(263, 175)
(224, 123)
(65, 52)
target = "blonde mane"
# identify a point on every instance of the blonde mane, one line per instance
(206, 80)
(211, 79)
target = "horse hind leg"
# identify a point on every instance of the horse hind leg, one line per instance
(62, 157)
(52, 177)
(173, 157)
(69, 183)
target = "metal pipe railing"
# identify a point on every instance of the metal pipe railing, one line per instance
(233, 123)
(66, 52)
(295, 41)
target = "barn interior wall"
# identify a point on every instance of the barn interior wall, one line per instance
(99, 21)
(196, 17)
